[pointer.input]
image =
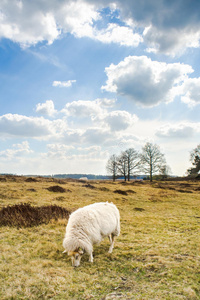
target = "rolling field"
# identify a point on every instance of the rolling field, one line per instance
(156, 256)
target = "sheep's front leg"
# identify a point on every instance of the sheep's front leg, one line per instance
(91, 257)
(111, 239)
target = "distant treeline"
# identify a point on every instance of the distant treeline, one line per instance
(91, 176)
(78, 176)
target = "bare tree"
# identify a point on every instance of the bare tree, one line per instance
(195, 160)
(152, 160)
(112, 166)
(165, 171)
(122, 165)
(132, 161)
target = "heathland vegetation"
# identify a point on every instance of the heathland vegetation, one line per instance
(156, 255)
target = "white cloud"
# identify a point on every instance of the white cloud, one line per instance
(118, 34)
(59, 147)
(64, 153)
(171, 41)
(191, 91)
(58, 151)
(22, 126)
(83, 108)
(144, 81)
(30, 23)
(17, 151)
(46, 108)
(63, 83)
(169, 27)
(89, 149)
(97, 111)
(184, 130)
(33, 22)
(27, 24)
(119, 120)
(98, 136)
(105, 102)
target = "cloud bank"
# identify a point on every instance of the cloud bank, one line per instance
(22, 126)
(184, 130)
(166, 27)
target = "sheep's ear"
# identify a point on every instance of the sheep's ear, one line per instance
(80, 251)
(64, 251)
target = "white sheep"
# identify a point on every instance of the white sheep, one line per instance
(88, 226)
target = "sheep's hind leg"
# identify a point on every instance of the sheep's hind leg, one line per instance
(111, 239)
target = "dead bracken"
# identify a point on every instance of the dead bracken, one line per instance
(30, 179)
(56, 189)
(121, 192)
(90, 186)
(25, 215)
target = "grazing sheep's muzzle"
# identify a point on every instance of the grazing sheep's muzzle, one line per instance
(76, 257)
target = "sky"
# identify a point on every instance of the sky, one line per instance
(82, 80)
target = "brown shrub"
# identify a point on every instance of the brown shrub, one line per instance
(30, 179)
(90, 186)
(139, 209)
(56, 189)
(3, 179)
(121, 192)
(25, 215)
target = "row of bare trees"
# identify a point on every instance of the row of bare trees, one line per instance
(130, 162)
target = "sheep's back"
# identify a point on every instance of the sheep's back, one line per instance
(94, 221)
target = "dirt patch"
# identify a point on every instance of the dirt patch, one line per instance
(121, 192)
(90, 186)
(139, 209)
(3, 179)
(31, 179)
(137, 182)
(184, 191)
(124, 182)
(178, 187)
(25, 215)
(57, 189)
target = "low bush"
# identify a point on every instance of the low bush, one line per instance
(25, 215)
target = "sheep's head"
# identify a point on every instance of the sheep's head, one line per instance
(76, 257)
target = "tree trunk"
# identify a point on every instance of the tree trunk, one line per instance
(150, 172)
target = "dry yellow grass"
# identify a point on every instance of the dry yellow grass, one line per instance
(157, 255)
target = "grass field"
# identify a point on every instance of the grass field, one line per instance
(156, 256)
